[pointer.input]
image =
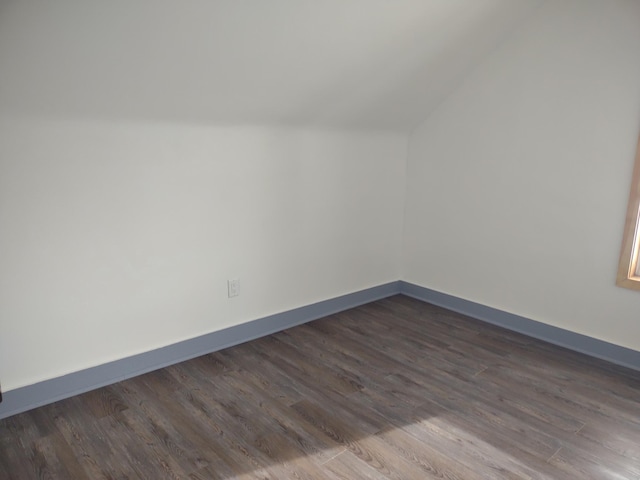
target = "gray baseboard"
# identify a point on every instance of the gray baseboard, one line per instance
(49, 391)
(593, 347)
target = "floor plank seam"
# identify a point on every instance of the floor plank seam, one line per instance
(580, 429)
(333, 457)
(554, 454)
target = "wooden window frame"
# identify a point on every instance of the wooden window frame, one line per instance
(628, 271)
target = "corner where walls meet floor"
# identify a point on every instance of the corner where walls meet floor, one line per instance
(49, 391)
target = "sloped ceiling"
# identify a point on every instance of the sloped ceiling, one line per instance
(366, 64)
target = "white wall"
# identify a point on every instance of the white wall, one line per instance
(373, 64)
(118, 238)
(517, 184)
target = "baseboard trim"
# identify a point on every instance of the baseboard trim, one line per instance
(593, 347)
(32, 396)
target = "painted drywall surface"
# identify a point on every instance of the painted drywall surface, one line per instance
(354, 63)
(517, 184)
(118, 238)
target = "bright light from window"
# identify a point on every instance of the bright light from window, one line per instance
(629, 267)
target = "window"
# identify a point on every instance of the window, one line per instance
(629, 267)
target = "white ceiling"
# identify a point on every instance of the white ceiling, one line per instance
(370, 64)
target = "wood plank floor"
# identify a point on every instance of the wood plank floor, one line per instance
(395, 389)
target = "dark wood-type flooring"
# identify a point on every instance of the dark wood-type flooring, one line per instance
(395, 389)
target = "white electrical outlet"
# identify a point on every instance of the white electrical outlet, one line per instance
(233, 287)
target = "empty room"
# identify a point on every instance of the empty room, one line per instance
(320, 239)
